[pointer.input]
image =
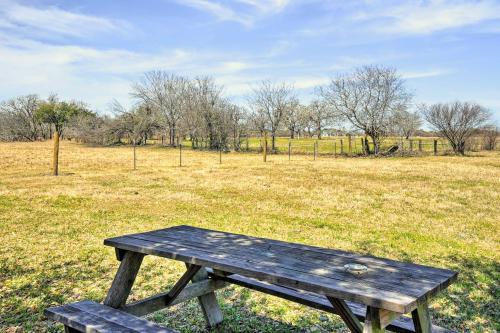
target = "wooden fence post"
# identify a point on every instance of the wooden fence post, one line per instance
(135, 163)
(349, 140)
(247, 143)
(335, 149)
(220, 154)
(341, 147)
(420, 145)
(315, 149)
(411, 145)
(435, 147)
(180, 155)
(265, 147)
(55, 154)
(289, 150)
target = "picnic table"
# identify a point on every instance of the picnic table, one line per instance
(358, 288)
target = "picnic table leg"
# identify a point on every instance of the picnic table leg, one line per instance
(124, 279)
(346, 314)
(421, 318)
(372, 321)
(208, 303)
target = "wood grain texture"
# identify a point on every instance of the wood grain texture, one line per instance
(346, 314)
(421, 318)
(91, 317)
(388, 284)
(124, 279)
(158, 302)
(208, 302)
(372, 321)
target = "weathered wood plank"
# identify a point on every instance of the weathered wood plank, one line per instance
(89, 316)
(306, 249)
(421, 318)
(387, 317)
(208, 302)
(179, 285)
(401, 324)
(381, 279)
(346, 314)
(356, 292)
(124, 279)
(158, 302)
(416, 280)
(372, 321)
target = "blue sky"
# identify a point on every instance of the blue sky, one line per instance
(93, 50)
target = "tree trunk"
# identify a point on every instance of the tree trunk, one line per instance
(292, 134)
(273, 144)
(55, 158)
(367, 146)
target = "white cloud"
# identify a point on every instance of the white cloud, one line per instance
(253, 11)
(223, 13)
(424, 74)
(267, 6)
(53, 22)
(419, 17)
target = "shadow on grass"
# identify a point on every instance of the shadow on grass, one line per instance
(249, 311)
(470, 304)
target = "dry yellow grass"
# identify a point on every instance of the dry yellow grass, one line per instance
(440, 211)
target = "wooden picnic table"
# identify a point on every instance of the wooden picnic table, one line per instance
(308, 275)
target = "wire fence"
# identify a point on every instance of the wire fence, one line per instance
(154, 156)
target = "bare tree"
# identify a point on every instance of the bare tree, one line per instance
(367, 98)
(406, 123)
(210, 105)
(295, 116)
(320, 115)
(490, 135)
(236, 121)
(166, 94)
(456, 121)
(271, 101)
(19, 119)
(135, 124)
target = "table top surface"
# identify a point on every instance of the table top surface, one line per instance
(386, 284)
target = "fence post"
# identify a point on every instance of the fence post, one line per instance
(420, 146)
(363, 146)
(264, 150)
(180, 154)
(135, 163)
(315, 149)
(247, 143)
(289, 150)
(411, 145)
(349, 140)
(335, 149)
(341, 147)
(435, 147)
(220, 154)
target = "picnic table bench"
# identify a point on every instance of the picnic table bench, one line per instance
(358, 288)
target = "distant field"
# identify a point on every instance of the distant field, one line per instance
(437, 210)
(331, 145)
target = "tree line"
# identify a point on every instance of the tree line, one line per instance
(372, 101)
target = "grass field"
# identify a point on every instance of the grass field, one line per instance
(442, 211)
(331, 145)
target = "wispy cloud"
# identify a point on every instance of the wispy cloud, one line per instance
(53, 21)
(245, 12)
(424, 73)
(224, 13)
(425, 17)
